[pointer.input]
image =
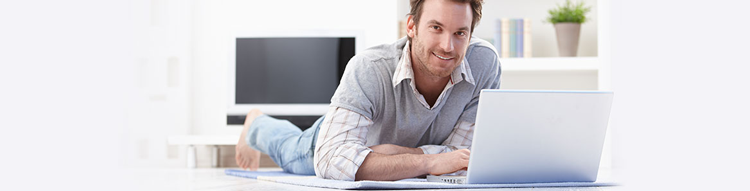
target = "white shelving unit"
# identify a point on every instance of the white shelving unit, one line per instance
(561, 73)
(550, 73)
(550, 64)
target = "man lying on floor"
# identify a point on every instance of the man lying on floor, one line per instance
(401, 110)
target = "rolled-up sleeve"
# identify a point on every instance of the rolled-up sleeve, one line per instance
(340, 148)
(460, 138)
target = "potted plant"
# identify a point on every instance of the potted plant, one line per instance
(567, 20)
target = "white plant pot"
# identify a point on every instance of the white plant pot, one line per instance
(567, 38)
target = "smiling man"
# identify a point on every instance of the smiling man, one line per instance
(401, 110)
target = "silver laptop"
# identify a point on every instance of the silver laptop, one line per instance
(536, 137)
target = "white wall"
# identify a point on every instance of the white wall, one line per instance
(66, 72)
(215, 23)
(159, 106)
(680, 112)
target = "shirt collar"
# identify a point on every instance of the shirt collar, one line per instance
(405, 71)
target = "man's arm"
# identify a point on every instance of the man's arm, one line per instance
(395, 167)
(391, 149)
(340, 153)
(460, 138)
(340, 148)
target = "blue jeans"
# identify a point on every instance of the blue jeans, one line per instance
(287, 145)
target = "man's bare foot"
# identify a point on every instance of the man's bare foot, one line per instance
(246, 157)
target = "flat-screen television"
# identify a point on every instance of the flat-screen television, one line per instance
(288, 74)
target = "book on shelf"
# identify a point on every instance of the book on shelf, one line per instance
(513, 37)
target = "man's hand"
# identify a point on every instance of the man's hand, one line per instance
(445, 163)
(391, 149)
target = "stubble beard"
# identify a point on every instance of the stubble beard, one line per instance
(422, 55)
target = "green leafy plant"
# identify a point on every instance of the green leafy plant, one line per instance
(568, 13)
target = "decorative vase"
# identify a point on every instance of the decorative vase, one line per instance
(567, 38)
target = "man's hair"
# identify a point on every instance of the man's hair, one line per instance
(476, 9)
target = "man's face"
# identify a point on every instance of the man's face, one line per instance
(440, 39)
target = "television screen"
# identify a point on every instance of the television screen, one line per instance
(297, 70)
